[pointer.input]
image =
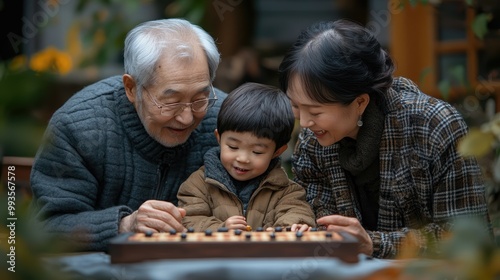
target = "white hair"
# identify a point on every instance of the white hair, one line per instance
(145, 44)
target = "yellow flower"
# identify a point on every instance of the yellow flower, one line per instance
(74, 43)
(102, 15)
(99, 37)
(41, 61)
(493, 126)
(18, 62)
(477, 143)
(51, 59)
(63, 63)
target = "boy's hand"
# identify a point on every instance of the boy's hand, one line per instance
(294, 227)
(236, 222)
(300, 227)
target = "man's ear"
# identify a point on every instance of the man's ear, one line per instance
(280, 151)
(130, 87)
(217, 136)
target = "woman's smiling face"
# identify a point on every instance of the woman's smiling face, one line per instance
(330, 122)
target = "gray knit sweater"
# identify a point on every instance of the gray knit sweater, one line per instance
(98, 164)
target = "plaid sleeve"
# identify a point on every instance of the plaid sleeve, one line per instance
(307, 174)
(459, 187)
(317, 169)
(446, 186)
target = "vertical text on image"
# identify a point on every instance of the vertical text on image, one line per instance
(11, 217)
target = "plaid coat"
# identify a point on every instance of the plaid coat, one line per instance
(424, 183)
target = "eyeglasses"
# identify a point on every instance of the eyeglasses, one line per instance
(174, 109)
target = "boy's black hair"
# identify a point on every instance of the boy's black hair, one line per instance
(260, 109)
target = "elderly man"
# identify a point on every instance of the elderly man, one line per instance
(116, 153)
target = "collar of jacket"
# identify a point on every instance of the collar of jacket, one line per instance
(394, 97)
(214, 170)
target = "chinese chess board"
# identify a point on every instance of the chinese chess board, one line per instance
(137, 247)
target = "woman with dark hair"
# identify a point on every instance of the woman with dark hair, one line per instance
(377, 156)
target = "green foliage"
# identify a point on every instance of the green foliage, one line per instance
(192, 10)
(22, 92)
(424, 74)
(21, 89)
(414, 3)
(456, 78)
(24, 245)
(109, 19)
(468, 251)
(480, 25)
(21, 136)
(444, 87)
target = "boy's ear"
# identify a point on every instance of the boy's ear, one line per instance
(217, 136)
(280, 151)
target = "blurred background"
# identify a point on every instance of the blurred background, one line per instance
(53, 48)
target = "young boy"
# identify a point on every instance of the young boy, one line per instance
(242, 184)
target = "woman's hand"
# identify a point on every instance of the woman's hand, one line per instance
(351, 226)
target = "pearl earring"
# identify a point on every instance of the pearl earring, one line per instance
(360, 121)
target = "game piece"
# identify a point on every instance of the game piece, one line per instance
(278, 229)
(173, 232)
(249, 228)
(137, 247)
(149, 233)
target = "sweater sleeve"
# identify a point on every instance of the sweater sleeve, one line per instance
(65, 190)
